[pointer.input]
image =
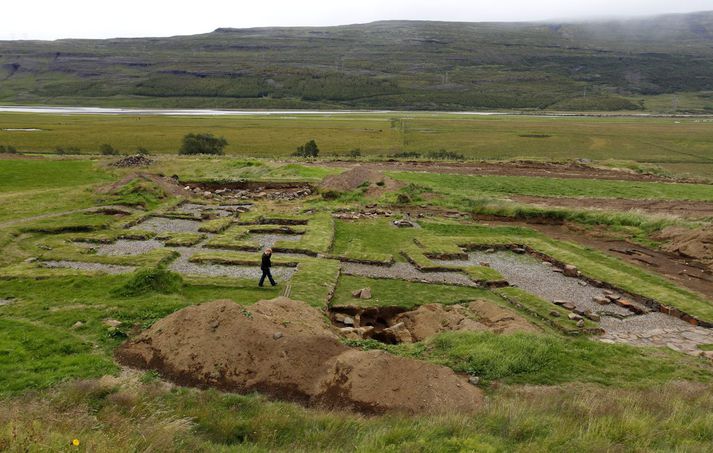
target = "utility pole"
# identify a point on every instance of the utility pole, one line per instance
(674, 103)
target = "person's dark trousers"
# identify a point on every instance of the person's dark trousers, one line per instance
(266, 273)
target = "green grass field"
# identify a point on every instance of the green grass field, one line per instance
(658, 140)
(548, 391)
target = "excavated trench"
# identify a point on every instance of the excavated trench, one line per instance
(367, 322)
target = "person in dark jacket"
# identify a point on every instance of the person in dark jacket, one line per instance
(265, 267)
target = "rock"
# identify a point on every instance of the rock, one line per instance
(277, 335)
(77, 325)
(484, 264)
(111, 323)
(403, 224)
(31, 260)
(475, 380)
(490, 251)
(555, 314)
(349, 321)
(602, 300)
(582, 283)
(574, 317)
(365, 293)
(519, 250)
(570, 271)
(580, 323)
(399, 333)
(629, 306)
(613, 296)
(356, 294)
(350, 333)
(547, 263)
(569, 306)
(592, 316)
(559, 302)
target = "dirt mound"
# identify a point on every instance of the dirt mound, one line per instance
(138, 160)
(396, 325)
(696, 244)
(287, 350)
(375, 181)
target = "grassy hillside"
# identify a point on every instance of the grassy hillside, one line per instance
(616, 65)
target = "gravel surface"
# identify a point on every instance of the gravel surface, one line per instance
(124, 247)
(406, 271)
(649, 329)
(269, 240)
(536, 278)
(106, 268)
(164, 225)
(657, 329)
(218, 210)
(182, 265)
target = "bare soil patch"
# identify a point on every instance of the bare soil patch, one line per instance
(544, 169)
(696, 244)
(287, 350)
(685, 209)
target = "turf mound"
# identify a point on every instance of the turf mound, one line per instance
(374, 181)
(287, 350)
(168, 185)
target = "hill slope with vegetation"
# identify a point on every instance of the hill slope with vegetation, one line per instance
(586, 66)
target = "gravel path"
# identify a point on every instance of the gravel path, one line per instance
(539, 279)
(269, 240)
(106, 268)
(125, 247)
(164, 225)
(406, 271)
(649, 329)
(182, 265)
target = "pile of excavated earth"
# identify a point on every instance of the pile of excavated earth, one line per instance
(397, 325)
(289, 351)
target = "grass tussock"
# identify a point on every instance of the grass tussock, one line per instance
(144, 414)
(147, 280)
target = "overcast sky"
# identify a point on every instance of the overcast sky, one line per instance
(52, 19)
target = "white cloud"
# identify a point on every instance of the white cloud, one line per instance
(52, 19)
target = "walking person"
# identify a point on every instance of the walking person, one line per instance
(265, 266)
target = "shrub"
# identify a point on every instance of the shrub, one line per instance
(9, 149)
(108, 150)
(445, 155)
(203, 144)
(142, 151)
(147, 280)
(405, 155)
(356, 152)
(309, 149)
